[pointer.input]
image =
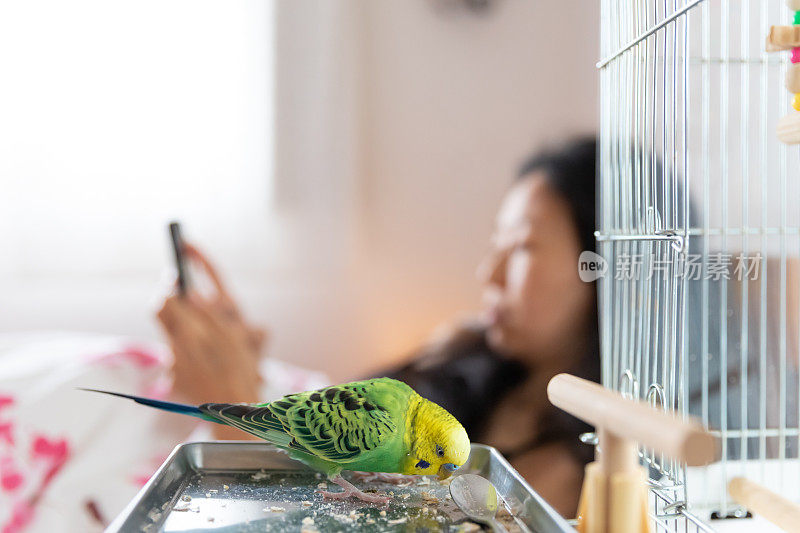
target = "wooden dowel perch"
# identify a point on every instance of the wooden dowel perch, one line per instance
(760, 500)
(614, 495)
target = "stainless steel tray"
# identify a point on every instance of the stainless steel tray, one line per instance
(250, 486)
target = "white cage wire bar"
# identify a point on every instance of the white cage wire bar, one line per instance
(699, 223)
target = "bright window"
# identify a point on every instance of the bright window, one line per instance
(118, 116)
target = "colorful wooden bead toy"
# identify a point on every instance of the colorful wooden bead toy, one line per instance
(783, 38)
(788, 38)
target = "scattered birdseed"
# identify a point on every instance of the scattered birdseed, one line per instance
(429, 498)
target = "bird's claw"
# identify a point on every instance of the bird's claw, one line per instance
(350, 490)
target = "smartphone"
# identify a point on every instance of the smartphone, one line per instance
(180, 262)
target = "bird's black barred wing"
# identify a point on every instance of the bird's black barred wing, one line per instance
(336, 423)
(257, 420)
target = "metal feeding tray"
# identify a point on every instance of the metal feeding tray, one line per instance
(250, 486)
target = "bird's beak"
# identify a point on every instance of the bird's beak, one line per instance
(446, 470)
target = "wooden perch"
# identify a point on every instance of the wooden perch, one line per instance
(783, 38)
(684, 440)
(614, 494)
(783, 513)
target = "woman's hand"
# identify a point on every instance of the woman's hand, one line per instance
(215, 351)
(222, 302)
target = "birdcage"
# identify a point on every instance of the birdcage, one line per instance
(699, 226)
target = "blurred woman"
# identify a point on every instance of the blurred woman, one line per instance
(539, 319)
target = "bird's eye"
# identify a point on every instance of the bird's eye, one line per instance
(439, 451)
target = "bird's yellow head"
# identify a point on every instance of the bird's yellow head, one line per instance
(439, 443)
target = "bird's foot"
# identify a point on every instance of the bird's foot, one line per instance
(351, 491)
(394, 479)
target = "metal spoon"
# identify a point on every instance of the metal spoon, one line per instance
(477, 497)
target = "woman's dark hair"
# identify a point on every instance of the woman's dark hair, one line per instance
(570, 169)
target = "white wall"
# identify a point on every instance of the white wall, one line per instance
(398, 128)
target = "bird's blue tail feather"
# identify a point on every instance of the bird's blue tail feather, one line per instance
(172, 407)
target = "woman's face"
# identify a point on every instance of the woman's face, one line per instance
(535, 305)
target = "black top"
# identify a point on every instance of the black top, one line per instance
(466, 377)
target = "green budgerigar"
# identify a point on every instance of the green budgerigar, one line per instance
(376, 425)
